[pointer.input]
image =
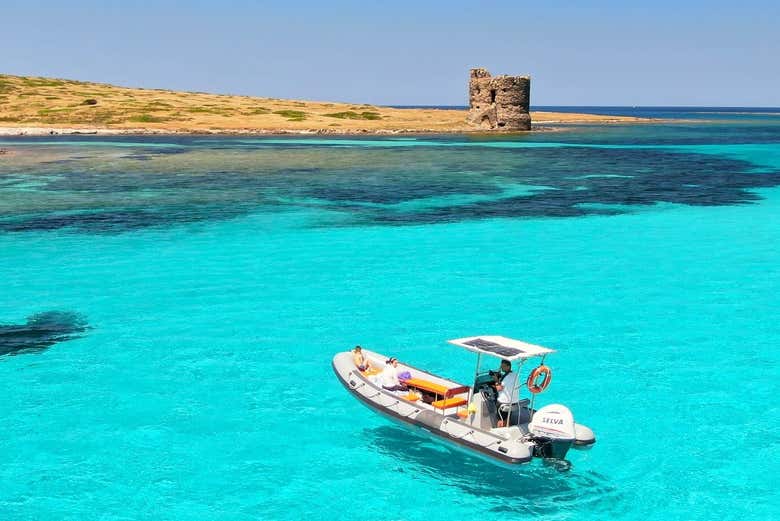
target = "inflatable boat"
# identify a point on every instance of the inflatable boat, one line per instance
(487, 418)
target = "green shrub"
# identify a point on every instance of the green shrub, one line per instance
(154, 107)
(41, 82)
(146, 118)
(292, 115)
(6, 86)
(354, 115)
(99, 116)
(208, 110)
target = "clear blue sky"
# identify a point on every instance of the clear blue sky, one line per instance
(399, 52)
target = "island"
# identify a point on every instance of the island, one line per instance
(41, 106)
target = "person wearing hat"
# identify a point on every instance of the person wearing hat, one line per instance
(390, 379)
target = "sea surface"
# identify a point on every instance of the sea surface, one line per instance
(169, 308)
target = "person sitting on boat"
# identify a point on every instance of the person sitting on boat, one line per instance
(508, 391)
(361, 362)
(390, 379)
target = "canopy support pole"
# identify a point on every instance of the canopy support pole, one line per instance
(476, 373)
(512, 395)
(533, 395)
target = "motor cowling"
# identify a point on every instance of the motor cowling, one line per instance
(553, 430)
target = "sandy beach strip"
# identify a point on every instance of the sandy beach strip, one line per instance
(399, 124)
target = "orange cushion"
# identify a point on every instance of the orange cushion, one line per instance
(438, 389)
(450, 402)
(425, 385)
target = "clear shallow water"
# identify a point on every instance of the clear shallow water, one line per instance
(218, 276)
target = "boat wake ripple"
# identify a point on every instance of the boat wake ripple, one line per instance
(539, 488)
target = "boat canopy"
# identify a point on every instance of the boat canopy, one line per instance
(501, 347)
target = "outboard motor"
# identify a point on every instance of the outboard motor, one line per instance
(552, 428)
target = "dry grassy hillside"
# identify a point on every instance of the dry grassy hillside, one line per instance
(27, 102)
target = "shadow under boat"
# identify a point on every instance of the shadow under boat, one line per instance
(543, 483)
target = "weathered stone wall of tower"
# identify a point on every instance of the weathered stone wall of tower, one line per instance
(499, 102)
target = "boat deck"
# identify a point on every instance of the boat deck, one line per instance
(426, 390)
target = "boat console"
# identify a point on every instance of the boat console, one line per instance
(485, 388)
(486, 382)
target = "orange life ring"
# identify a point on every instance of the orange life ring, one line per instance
(534, 376)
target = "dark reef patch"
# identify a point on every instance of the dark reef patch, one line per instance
(374, 185)
(121, 220)
(40, 332)
(574, 182)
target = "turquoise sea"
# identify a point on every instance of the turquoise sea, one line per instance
(169, 307)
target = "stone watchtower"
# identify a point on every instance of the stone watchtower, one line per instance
(499, 102)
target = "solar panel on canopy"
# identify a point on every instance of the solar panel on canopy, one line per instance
(501, 347)
(492, 347)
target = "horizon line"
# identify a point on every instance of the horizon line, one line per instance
(607, 106)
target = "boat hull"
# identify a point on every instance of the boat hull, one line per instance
(445, 428)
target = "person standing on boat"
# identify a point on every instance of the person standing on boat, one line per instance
(361, 362)
(390, 379)
(508, 392)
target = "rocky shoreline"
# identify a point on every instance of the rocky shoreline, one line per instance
(40, 131)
